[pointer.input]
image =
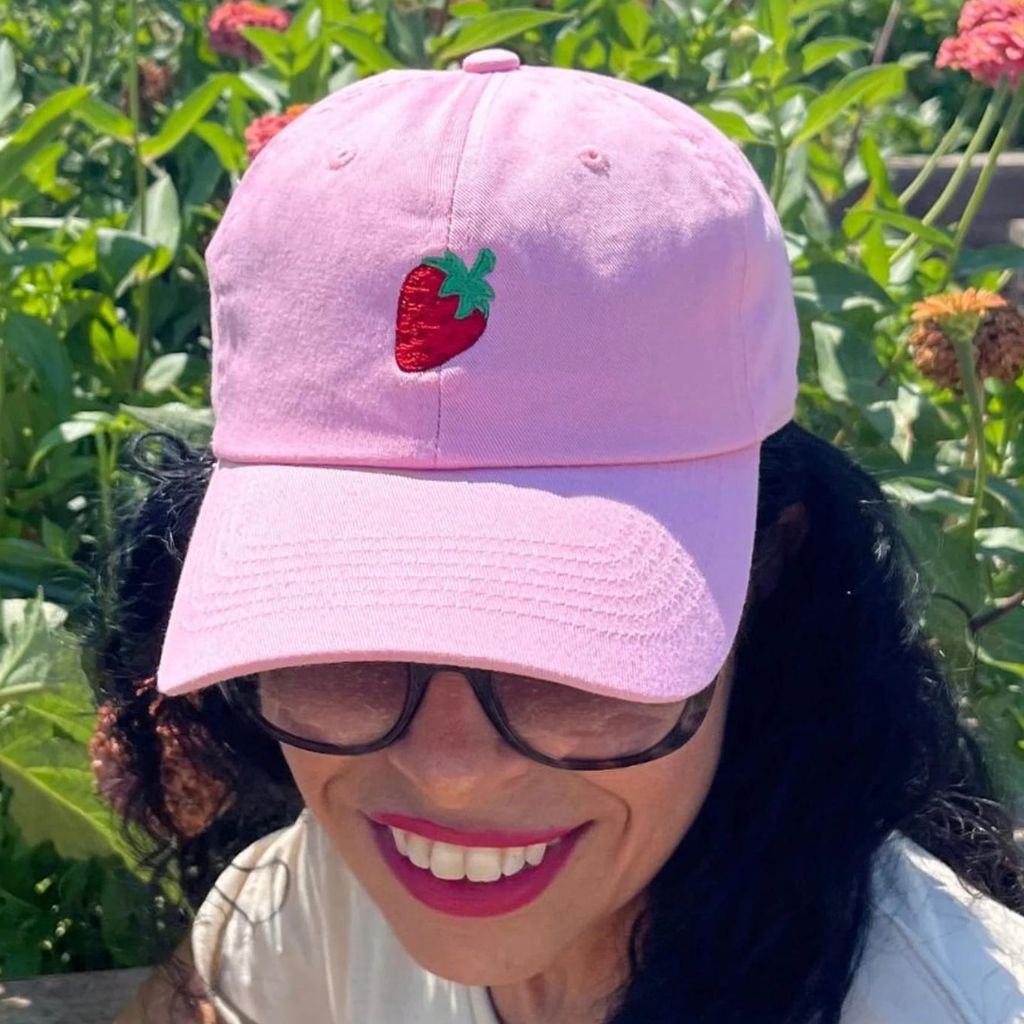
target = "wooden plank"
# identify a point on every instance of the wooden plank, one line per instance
(92, 997)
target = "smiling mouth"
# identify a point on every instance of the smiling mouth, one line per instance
(473, 881)
(451, 862)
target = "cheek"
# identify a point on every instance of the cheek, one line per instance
(317, 777)
(661, 799)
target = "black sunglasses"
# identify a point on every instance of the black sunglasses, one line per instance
(522, 709)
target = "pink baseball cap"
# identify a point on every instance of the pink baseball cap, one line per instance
(494, 349)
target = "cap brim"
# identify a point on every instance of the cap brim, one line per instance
(626, 580)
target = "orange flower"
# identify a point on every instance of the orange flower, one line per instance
(229, 19)
(991, 42)
(264, 128)
(996, 330)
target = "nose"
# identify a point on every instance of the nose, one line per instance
(451, 752)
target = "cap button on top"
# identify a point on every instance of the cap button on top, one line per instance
(490, 60)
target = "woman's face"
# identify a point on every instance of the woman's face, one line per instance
(453, 769)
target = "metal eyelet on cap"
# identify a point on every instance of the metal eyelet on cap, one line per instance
(490, 60)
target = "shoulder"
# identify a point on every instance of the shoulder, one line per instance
(251, 941)
(937, 949)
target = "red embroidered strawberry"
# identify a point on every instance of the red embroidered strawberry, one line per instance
(442, 309)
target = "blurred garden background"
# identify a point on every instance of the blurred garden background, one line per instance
(888, 133)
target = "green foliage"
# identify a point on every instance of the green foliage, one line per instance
(46, 720)
(110, 192)
(72, 896)
(59, 914)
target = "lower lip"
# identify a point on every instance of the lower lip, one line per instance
(477, 899)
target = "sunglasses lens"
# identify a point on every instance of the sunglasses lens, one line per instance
(347, 703)
(351, 704)
(565, 722)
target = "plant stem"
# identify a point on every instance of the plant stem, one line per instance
(779, 170)
(981, 133)
(985, 178)
(947, 142)
(962, 337)
(142, 331)
(881, 45)
(92, 43)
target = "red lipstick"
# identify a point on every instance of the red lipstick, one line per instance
(483, 837)
(463, 898)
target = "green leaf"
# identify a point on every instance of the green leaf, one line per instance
(118, 253)
(194, 425)
(878, 175)
(164, 372)
(36, 652)
(365, 48)
(37, 130)
(70, 432)
(163, 216)
(230, 150)
(30, 256)
(992, 257)
(40, 347)
(105, 119)
(847, 367)
(187, 114)
(819, 52)
(643, 69)
(406, 30)
(26, 566)
(54, 792)
(779, 24)
(860, 218)
(467, 8)
(926, 495)
(865, 85)
(836, 287)
(635, 21)
(273, 47)
(1007, 541)
(497, 27)
(728, 121)
(10, 93)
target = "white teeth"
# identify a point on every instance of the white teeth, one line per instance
(477, 863)
(513, 860)
(418, 850)
(400, 839)
(483, 864)
(535, 853)
(447, 861)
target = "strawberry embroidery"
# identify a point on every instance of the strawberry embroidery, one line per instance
(442, 309)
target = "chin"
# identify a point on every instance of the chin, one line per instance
(479, 964)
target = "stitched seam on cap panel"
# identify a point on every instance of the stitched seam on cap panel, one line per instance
(448, 238)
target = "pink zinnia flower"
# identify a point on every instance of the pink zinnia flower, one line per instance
(975, 12)
(990, 45)
(990, 51)
(264, 128)
(229, 19)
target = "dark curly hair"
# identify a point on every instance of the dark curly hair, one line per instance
(841, 728)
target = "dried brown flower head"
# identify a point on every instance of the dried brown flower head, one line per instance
(155, 84)
(994, 328)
